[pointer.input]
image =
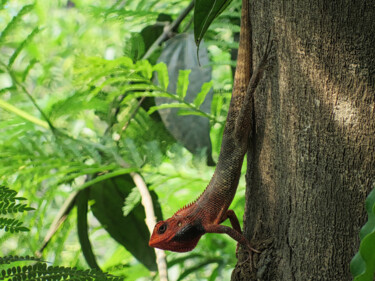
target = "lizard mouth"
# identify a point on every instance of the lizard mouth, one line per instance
(183, 249)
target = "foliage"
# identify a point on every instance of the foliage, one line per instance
(205, 12)
(40, 271)
(362, 265)
(73, 125)
(8, 205)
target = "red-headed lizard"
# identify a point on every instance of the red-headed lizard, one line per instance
(182, 231)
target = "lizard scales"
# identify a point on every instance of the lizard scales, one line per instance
(182, 231)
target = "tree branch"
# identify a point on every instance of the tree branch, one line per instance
(150, 222)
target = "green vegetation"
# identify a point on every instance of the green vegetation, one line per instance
(79, 111)
(362, 265)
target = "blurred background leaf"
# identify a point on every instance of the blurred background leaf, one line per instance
(77, 65)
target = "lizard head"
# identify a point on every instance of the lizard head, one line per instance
(176, 235)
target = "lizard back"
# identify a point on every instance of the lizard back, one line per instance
(219, 193)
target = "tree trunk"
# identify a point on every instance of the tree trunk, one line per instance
(311, 162)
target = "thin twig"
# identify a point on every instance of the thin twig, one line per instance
(59, 220)
(150, 222)
(168, 29)
(33, 101)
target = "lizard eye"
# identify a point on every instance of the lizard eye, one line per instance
(162, 228)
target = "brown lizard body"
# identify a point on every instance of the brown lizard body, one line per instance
(182, 231)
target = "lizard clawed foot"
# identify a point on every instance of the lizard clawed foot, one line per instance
(250, 251)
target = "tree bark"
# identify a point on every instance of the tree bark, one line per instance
(311, 162)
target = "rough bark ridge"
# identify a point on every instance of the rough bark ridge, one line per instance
(312, 159)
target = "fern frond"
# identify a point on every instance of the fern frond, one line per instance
(7, 193)
(12, 225)
(9, 207)
(40, 271)
(8, 203)
(131, 201)
(2, 4)
(15, 21)
(10, 259)
(22, 45)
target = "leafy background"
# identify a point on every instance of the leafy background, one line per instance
(71, 81)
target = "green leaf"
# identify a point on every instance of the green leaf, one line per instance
(82, 229)
(131, 201)
(130, 231)
(135, 48)
(196, 267)
(205, 11)
(162, 75)
(22, 45)
(133, 151)
(192, 131)
(2, 4)
(183, 83)
(183, 112)
(206, 87)
(8, 107)
(362, 265)
(214, 274)
(167, 105)
(144, 68)
(15, 21)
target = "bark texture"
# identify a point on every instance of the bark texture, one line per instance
(311, 162)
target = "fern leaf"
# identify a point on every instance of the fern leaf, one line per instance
(2, 4)
(8, 202)
(131, 201)
(15, 21)
(168, 105)
(12, 225)
(183, 83)
(22, 45)
(40, 271)
(10, 259)
(7, 193)
(163, 78)
(8, 205)
(203, 93)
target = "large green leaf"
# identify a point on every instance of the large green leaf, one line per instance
(186, 80)
(205, 11)
(362, 265)
(131, 230)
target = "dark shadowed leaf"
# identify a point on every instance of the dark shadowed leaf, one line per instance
(130, 231)
(82, 228)
(190, 130)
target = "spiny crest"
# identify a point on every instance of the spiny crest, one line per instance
(188, 205)
(193, 202)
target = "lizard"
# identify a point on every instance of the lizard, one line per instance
(182, 231)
